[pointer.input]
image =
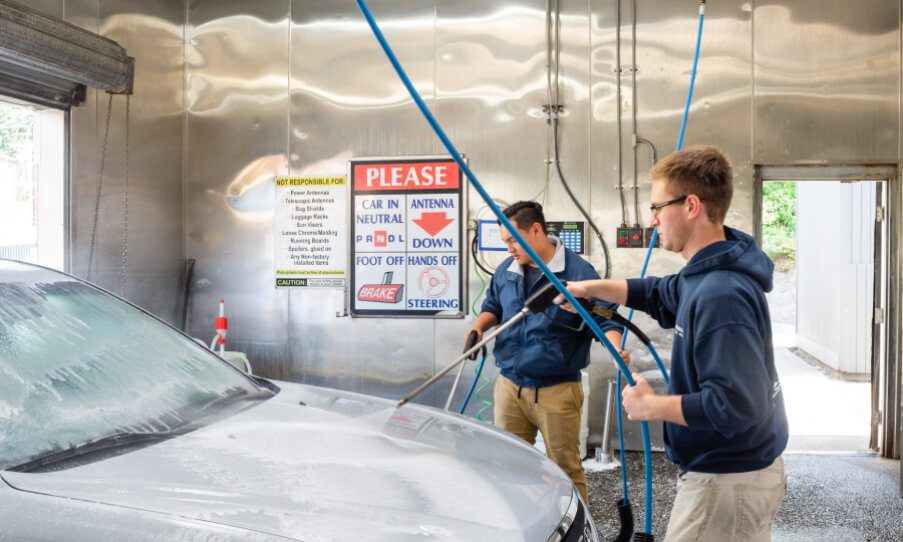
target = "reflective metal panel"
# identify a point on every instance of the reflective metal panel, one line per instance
(152, 33)
(50, 7)
(346, 101)
(236, 123)
(826, 81)
(491, 78)
(719, 115)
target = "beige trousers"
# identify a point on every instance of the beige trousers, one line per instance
(727, 507)
(555, 412)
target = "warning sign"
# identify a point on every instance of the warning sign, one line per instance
(406, 228)
(310, 237)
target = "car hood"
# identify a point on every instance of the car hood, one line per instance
(317, 464)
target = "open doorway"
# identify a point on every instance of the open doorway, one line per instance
(32, 183)
(826, 237)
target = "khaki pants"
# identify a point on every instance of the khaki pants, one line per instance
(727, 507)
(555, 412)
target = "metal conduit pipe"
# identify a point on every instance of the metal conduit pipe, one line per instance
(618, 116)
(636, 138)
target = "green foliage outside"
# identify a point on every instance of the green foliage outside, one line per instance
(779, 223)
(15, 128)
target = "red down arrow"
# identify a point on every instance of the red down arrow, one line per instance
(433, 223)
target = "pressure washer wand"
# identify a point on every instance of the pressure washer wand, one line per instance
(538, 302)
(468, 345)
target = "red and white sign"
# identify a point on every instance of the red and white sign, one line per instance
(406, 223)
(407, 176)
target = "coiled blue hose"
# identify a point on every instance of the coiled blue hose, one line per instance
(449, 146)
(476, 379)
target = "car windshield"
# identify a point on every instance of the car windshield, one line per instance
(78, 365)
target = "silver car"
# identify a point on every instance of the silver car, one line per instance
(116, 426)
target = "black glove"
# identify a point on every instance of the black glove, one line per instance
(472, 338)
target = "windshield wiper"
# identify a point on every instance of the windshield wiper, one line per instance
(119, 442)
(234, 395)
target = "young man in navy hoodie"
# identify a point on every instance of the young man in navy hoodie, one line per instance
(725, 425)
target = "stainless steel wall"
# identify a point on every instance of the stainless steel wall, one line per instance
(152, 33)
(298, 87)
(291, 86)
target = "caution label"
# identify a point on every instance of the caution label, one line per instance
(406, 224)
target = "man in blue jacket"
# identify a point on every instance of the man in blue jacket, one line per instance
(725, 425)
(540, 357)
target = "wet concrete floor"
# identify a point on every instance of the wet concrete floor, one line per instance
(844, 498)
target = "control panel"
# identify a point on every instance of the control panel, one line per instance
(572, 234)
(635, 237)
(489, 236)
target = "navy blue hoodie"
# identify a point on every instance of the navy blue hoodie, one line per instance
(722, 361)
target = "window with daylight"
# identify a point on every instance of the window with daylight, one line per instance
(32, 184)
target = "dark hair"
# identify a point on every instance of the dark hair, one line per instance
(702, 171)
(524, 214)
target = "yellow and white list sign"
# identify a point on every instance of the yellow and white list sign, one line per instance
(311, 236)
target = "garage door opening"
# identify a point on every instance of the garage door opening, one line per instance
(826, 238)
(32, 184)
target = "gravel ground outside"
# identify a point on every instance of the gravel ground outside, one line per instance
(829, 498)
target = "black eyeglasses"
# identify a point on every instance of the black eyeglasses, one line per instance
(655, 207)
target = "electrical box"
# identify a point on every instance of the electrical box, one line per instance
(635, 237)
(572, 234)
(648, 241)
(623, 237)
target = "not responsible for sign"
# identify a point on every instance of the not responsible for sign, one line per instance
(406, 228)
(311, 228)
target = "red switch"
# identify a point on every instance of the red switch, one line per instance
(623, 237)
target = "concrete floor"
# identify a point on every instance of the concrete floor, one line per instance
(829, 498)
(824, 414)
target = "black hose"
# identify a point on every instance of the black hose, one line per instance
(187, 277)
(607, 273)
(621, 321)
(625, 513)
(608, 314)
(476, 256)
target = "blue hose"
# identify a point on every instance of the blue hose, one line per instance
(476, 379)
(449, 146)
(456, 156)
(621, 444)
(683, 124)
(658, 361)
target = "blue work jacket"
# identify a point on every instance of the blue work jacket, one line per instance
(542, 349)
